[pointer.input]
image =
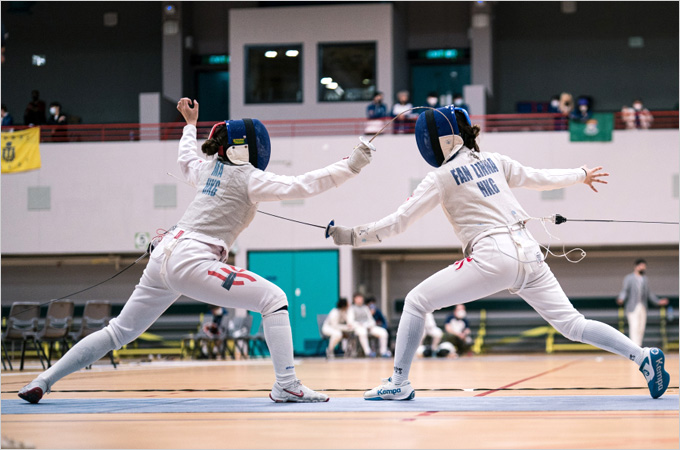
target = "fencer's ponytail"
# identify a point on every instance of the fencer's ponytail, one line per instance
(468, 132)
(211, 146)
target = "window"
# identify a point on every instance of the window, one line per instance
(274, 74)
(347, 72)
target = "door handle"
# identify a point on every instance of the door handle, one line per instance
(303, 311)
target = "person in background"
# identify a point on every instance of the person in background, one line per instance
(338, 325)
(637, 117)
(376, 312)
(376, 109)
(566, 104)
(376, 113)
(554, 105)
(459, 102)
(432, 100)
(56, 117)
(434, 332)
(403, 123)
(35, 110)
(634, 296)
(458, 330)
(213, 332)
(7, 119)
(583, 112)
(364, 325)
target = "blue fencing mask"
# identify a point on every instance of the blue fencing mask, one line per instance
(437, 134)
(248, 142)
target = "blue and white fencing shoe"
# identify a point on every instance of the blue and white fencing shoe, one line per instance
(391, 391)
(652, 368)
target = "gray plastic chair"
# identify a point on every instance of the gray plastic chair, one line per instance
(22, 326)
(57, 324)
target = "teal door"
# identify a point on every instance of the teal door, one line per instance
(310, 279)
(213, 95)
(442, 79)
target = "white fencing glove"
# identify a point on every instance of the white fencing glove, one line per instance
(361, 155)
(341, 235)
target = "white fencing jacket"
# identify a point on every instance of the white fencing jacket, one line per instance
(227, 196)
(474, 191)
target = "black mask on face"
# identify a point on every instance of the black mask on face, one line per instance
(642, 272)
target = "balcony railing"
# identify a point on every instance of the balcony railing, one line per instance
(315, 127)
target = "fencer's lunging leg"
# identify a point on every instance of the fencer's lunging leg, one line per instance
(89, 350)
(608, 338)
(279, 337)
(411, 327)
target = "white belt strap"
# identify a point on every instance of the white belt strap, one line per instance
(167, 250)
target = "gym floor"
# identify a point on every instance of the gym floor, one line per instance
(576, 400)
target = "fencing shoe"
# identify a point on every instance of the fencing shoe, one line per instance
(296, 392)
(391, 391)
(652, 368)
(34, 391)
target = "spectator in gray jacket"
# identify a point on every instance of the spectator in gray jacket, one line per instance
(635, 295)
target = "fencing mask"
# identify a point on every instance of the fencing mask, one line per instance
(247, 142)
(437, 134)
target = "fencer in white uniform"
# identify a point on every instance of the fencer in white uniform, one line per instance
(474, 190)
(190, 258)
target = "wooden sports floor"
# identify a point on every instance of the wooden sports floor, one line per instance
(531, 385)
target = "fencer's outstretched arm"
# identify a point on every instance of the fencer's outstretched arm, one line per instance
(188, 159)
(425, 198)
(266, 186)
(518, 175)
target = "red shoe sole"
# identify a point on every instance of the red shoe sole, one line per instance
(33, 395)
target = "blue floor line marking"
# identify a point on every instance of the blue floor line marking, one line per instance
(265, 405)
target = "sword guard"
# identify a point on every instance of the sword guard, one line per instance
(558, 218)
(328, 228)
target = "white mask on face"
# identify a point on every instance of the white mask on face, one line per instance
(460, 314)
(555, 103)
(53, 110)
(432, 101)
(637, 106)
(458, 102)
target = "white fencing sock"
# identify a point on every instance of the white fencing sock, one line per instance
(409, 333)
(87, 351)
(279, 339)
(608, 338)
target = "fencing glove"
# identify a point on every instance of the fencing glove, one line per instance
(361, 156)
(341, 235)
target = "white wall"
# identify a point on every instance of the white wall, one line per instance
(102, 194)
(312, 25)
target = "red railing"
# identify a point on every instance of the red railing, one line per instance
(315, 127)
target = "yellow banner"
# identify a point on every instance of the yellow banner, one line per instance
(21, 150)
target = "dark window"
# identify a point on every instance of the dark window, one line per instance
(347, 72)
(274, 74)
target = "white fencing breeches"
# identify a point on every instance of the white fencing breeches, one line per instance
(193, 269)
(362, 334)
(637, 322)
(494, 265)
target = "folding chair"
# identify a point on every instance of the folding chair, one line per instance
(57, 323)
(22, 325)
(96, 316)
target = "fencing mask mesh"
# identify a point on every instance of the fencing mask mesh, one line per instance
(437, 134)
